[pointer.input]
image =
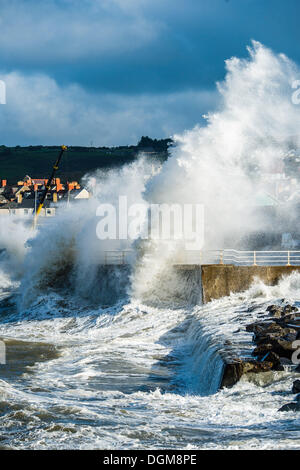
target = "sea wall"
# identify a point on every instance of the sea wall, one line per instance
(222, 280)
(275, 330)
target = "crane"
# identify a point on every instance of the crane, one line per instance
(48, 185)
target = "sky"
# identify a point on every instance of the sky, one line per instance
(106, 72)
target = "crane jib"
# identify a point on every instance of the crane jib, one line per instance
(48, 185)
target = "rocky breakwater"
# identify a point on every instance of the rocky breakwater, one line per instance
(275, 335)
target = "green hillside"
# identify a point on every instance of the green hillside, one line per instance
(36, 161)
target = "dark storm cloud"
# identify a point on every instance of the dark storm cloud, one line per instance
(131, 46)
(139, 48)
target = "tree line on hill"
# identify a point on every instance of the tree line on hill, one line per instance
(36, 161)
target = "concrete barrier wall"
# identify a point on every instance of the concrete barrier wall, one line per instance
(222, 280)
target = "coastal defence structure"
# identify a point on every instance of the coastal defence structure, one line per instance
(222, 272)
(221, 280)
(230, 271)
(216, 274)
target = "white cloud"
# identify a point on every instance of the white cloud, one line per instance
(38, 110)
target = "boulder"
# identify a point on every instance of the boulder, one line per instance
(296, 387)
(234, 371)
(286, 319)
(294, 406)
(266, 337)
(287, 343)
(273, 308)
(256, 327)
(275, 311)
(256, 367)
(275, 360)
(261, 350)
(274, 328)
(289, 309)
(266, 352)
(232, 374)
(262, 328)
(290, 323)
(278, 346)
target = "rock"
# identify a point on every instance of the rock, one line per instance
(290, 331)
(234, 371)
(294, 406)
(274, 328)
(266, 337)
(277, 314)
(232, 374)
(286, 319)
(298, 397)
(275, 311)
(289, 309)
(266, 352)
(262, 350)
(256, 367)
(290, 323)
(283, 348)
(255, 327)
(287, 342)
(272, 308)
(262, 328)
(296, 386)
(279, 346)
(275, 360)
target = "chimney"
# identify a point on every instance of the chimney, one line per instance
(3, 183)
(20, 198)
(55, 196)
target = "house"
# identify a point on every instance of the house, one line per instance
(22, 199)
(25, 208)
(3, 199)
(80, 194)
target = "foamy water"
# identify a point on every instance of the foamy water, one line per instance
(132, 376)
(129, 358)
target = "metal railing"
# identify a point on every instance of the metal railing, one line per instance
(223, 257)
(116, 257)
(241, 258)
